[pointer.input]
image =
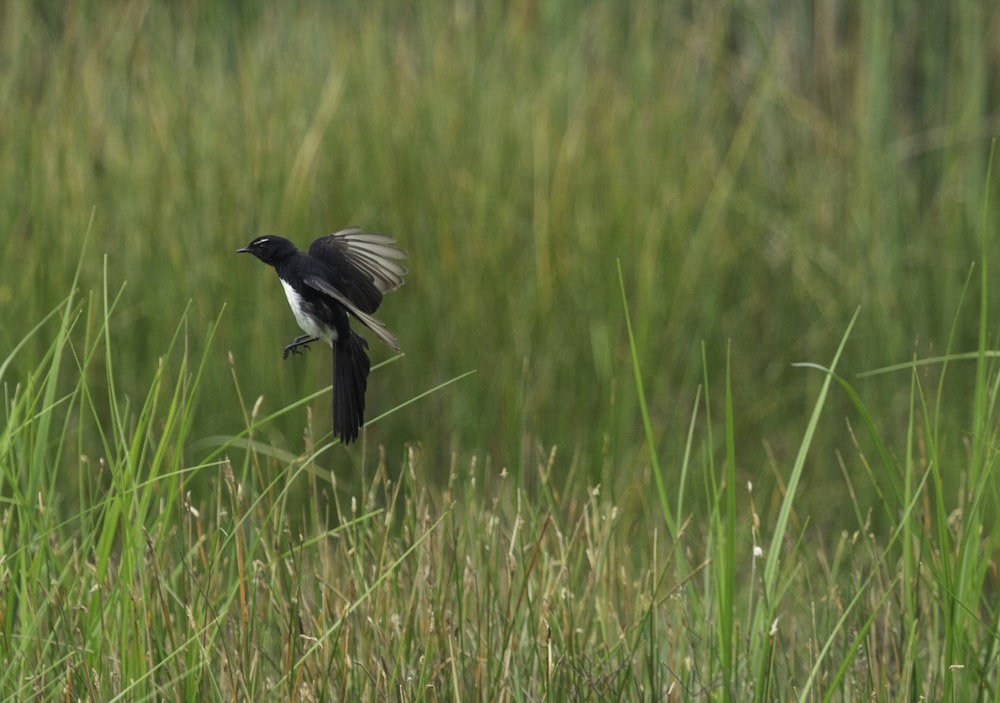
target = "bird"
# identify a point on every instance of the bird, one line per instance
(342, 275)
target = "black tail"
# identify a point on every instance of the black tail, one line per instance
(350, 379)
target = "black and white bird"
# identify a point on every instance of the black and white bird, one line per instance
(342, 275)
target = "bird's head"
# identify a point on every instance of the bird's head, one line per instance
(270, 248)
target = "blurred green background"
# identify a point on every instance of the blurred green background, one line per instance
(759, 169)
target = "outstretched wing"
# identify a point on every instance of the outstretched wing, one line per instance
(365, 266)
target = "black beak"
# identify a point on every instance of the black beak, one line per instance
(243, 250)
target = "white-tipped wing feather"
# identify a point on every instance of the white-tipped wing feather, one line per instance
(368, 252)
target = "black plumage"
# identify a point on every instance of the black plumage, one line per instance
(343, 275)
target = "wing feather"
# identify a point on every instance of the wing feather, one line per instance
(375, 325)
(368, 262)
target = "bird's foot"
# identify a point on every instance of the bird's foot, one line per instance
(303, 340)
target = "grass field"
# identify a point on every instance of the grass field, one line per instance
(698, 397)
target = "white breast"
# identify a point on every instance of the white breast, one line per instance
(297, 304)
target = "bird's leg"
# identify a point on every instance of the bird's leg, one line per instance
(303, 340)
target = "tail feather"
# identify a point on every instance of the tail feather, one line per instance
(350, 380)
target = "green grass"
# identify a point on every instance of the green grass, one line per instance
(191, 569)
(698, 393)
(759, 176)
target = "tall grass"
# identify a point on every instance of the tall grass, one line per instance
(760, 172)
(231, 569)
(553, 499)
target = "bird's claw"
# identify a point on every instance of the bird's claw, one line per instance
(293, 348)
